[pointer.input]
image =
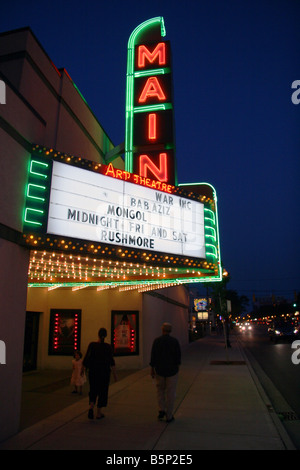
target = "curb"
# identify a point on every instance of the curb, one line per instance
(266, 400)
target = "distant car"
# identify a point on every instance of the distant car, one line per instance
(245, 326)
(283, 329)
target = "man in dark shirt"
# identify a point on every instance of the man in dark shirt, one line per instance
(165, 361)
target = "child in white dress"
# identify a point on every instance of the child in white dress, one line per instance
(78, 378)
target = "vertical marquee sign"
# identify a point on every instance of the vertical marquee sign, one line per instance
(140, 213)
(149, 140)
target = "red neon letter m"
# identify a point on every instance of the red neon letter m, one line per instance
(146, 164)
(159, 52)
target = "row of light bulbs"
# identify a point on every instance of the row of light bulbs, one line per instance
(45, 266)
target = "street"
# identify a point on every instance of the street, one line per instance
(276, 362)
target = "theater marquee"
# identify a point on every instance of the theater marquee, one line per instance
(96, 207)
(159, 230)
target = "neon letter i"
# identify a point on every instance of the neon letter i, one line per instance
(152, 126)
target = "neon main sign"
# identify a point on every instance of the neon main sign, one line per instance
(149, 141)
(144, 214)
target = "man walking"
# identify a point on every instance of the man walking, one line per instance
(165, 361)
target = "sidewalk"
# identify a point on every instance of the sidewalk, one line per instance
(220, 405)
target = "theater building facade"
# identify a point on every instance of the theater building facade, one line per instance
(92, 234)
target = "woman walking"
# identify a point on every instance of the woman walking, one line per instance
(99, 361)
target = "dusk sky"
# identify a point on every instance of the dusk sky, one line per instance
(237, 128)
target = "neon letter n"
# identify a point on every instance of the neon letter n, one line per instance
(146, 164)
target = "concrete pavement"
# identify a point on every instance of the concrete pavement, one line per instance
(220, 405)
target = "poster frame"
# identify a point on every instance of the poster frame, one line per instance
(133, 318)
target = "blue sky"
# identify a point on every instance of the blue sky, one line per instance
(234, 63)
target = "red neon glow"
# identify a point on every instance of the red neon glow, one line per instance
(159, 52)
(136, 179)
(146, 164)
(117, 173)
(152, 89)
(132, 340)
(56, 331)
(152, 126)
(76, 331)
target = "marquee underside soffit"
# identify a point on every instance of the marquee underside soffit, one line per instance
(56, 269)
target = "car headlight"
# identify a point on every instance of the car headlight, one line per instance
(277, 332)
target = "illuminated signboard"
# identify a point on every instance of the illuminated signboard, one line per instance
(91, 206)
(149, 142)
(202, 315)
(200, 304)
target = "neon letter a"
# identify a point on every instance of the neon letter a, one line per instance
(152, 89)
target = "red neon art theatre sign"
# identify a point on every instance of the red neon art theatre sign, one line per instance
(149, 140)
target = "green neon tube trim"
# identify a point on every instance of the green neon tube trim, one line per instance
(129, 108)
(213, 235)
(214, 249)
(32, 221)
(210, 236)
(119, 284)
(202, 183)
(35, 162)
(146, 73)
(31, 185)
(219, 278)
(210, 213)
(152, 107)
(78, 91)
(145, 25)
